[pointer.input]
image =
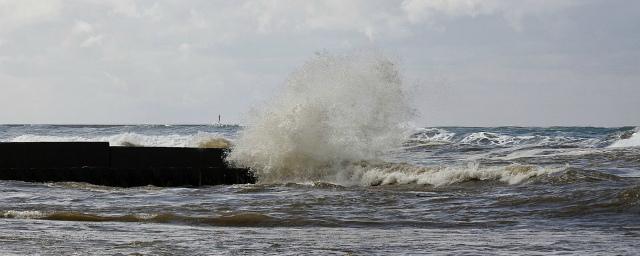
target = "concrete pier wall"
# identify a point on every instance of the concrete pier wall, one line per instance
(98, 163)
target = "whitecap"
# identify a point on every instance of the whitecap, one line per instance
(632, 141)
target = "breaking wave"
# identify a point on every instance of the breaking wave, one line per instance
(392, 174)
(530, 138)
(335, 110)
(200, 139)
(440, 136)
(630, 139)
(430, 136)
(339, 115)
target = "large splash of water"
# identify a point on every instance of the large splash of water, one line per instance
(628, 140)
(336, 110)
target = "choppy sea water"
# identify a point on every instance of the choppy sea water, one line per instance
(446, 190)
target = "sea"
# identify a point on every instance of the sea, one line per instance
(344, 168)
(439, 191)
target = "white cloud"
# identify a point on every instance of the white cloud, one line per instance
(197, 20)
(227, 55)
(15, 14)
(82, 27)
(363, 17)
(92, 40)
(124, 7)
(419, 11)
(153, 13)
(184, 47)
(116, 81)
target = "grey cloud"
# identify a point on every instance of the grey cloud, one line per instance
(469, 62)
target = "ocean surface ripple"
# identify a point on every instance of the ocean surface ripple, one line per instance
(452, 190)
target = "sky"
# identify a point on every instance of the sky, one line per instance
(464, 62)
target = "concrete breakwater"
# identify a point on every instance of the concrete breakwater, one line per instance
(100, 164)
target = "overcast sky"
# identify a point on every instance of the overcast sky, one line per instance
(466, 62)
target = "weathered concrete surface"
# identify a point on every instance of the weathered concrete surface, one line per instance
(97, 163)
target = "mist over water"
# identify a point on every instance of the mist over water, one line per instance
(336, 110)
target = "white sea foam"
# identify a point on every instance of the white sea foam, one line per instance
(496, 139)
(430, 136)
(200, 139)
(21, 214)
(389, 173)
(486, 138)
(334, 110)
(631, 141)
(489, 138)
